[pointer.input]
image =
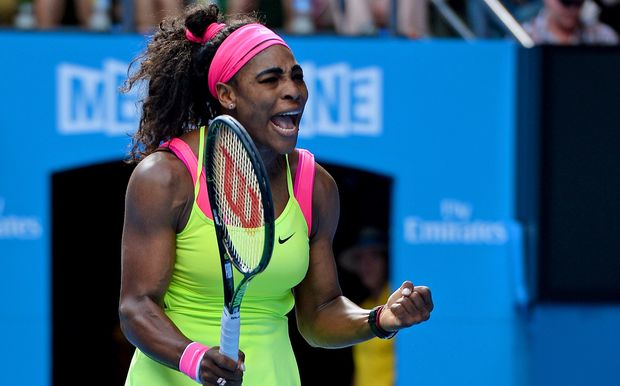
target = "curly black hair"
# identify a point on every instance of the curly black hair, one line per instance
(175, 70)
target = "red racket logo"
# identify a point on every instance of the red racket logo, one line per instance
(242, 198)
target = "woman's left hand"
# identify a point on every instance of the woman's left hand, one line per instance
(407, 306)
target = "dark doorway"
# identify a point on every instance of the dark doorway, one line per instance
(87, 221)
(365, 201)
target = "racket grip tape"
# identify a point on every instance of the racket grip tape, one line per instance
(229, 338)
(191, 358)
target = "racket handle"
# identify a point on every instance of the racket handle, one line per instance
(229, 338)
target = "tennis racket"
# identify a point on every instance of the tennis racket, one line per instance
(242, 207)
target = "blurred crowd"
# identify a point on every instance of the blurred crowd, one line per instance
(546, 21)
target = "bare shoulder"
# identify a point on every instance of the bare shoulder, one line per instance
(159, 170)
(326, 204)
(160, 185)
(324, 183)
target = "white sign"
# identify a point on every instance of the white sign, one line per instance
(343, 101)
(18, 227)
(456, 226)
(89, 101)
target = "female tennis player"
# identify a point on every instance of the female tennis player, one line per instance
(198, 66)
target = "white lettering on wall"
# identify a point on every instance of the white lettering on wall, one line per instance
(343, 101)
(18, 227)
(456, 226)
(89, 100)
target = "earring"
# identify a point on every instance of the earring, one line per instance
(231, 106)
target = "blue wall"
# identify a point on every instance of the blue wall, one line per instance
(438, 117)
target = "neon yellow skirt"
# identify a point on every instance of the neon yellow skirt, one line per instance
(269, 357)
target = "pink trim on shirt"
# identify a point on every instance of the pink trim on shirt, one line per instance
(304, 184)
(185, 154)
(302, 188)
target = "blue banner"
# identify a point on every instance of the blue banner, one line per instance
(438, 117)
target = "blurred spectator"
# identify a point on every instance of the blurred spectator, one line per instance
(348, 17)
(294, 16)
(149, 13)
(560, 22)
(365, 17)
(610, 13)
(8, 10)
(55, 13)
(368, 258)
(271, 12)
(100, 18)
(524, 10)
(301, 15)
(87, 14)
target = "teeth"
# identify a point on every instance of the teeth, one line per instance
(290, 113)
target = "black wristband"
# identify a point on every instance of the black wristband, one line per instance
(374, 325)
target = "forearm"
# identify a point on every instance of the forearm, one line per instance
(147, 327)
(338, 323)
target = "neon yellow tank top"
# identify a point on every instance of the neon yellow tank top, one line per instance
(194, 299)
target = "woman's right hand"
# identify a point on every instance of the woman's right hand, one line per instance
(215, 366)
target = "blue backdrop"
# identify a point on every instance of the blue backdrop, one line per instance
(438, 117)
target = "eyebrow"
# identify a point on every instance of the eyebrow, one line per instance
(271, 70)
(277, 70)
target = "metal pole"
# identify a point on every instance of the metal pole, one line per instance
(454, 20)
(510, 22)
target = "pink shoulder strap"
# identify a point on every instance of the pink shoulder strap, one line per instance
(302, 189)
(185, 154)
(304, 184)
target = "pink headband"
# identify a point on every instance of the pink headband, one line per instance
(238, 49)
(209, 34)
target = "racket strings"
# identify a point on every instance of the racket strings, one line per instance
(238, 196)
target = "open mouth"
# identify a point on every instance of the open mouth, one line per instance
(287, 122)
